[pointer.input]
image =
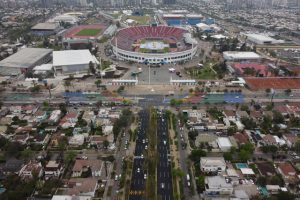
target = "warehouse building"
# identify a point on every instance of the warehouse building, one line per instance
(24, 60)
(241, 56)
(72, 62)
(262, 39)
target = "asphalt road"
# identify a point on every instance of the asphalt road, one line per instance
(164, 176)
(139, 170)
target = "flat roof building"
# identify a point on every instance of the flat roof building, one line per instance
(212, 164)
(262, 39)
(72, 61)
(217, 185)
(240, 55)
(24, 60)
(224, 143)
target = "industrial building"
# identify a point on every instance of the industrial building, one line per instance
(241, 56)
(262, 39)
(24, 60)
(72, 61)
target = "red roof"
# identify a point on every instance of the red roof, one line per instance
(287, 169)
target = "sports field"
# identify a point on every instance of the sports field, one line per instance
(88, 32)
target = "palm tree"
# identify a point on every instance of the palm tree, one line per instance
(98, 83)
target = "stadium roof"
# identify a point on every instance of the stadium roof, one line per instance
(73, 57)
(25, 58)
(45, 26)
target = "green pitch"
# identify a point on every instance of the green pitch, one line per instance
(88, 32)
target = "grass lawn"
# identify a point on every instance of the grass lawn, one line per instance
(88, 32)
(202, 73)
(142, 20)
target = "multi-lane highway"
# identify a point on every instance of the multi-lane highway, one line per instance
(164, 165)
(139, 170)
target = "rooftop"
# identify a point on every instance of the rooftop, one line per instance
(73, 57)
(232, 55)
(45, 26)
(25, 57)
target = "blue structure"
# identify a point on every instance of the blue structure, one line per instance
(209, 21)
(193, 21)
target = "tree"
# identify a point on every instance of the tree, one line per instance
(288, 91)
(277, 117)
(63, 108)
(196, 154)
(261, 181)
(268, 91)
(92, 67)
(70, 156)
(98, 83)
(297, 146)
(227, 156)
(105, 144)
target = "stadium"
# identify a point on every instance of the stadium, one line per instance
(154, 44)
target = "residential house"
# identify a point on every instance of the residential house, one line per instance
(13, 165)
(217, 185)
(22, 139)
(82, 187)
(3, 129)
(241, 114)
(55, 116)
(69, 120)
(53, 169)
(256, 115)
(224, 144)
(82, 166)
(40, 116)
(230, 115)
(212, 164)
(241, 138)
(30, 170)
(41, 139)
(89, 116)
(97, 140)
(286, 169)
(107, 130)
(290, 139)
(29, 109)
(76, 140)
(269, 140)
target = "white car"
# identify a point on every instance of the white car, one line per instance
(116, 177)
(145, 176)
(142, 156)
(165, 142)
(138, 170)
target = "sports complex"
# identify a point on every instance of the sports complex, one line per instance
(92, 31)
(154, 44)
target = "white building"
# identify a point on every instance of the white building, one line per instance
(72, 61)
(241, 56)
(55, 116)
(262, 39)
(76, 140)
(212, 164)
(224, 143)
(217, 185)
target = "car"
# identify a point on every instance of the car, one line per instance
(120, 176)
(145, 176)
(162, 185)
(143, 141)
(138, 170)
(146, 147)
(116, 177)
(165, 142)
(189, 184)
(142, 156)
(125, 148)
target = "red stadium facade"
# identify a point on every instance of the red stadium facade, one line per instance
(178, 44)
